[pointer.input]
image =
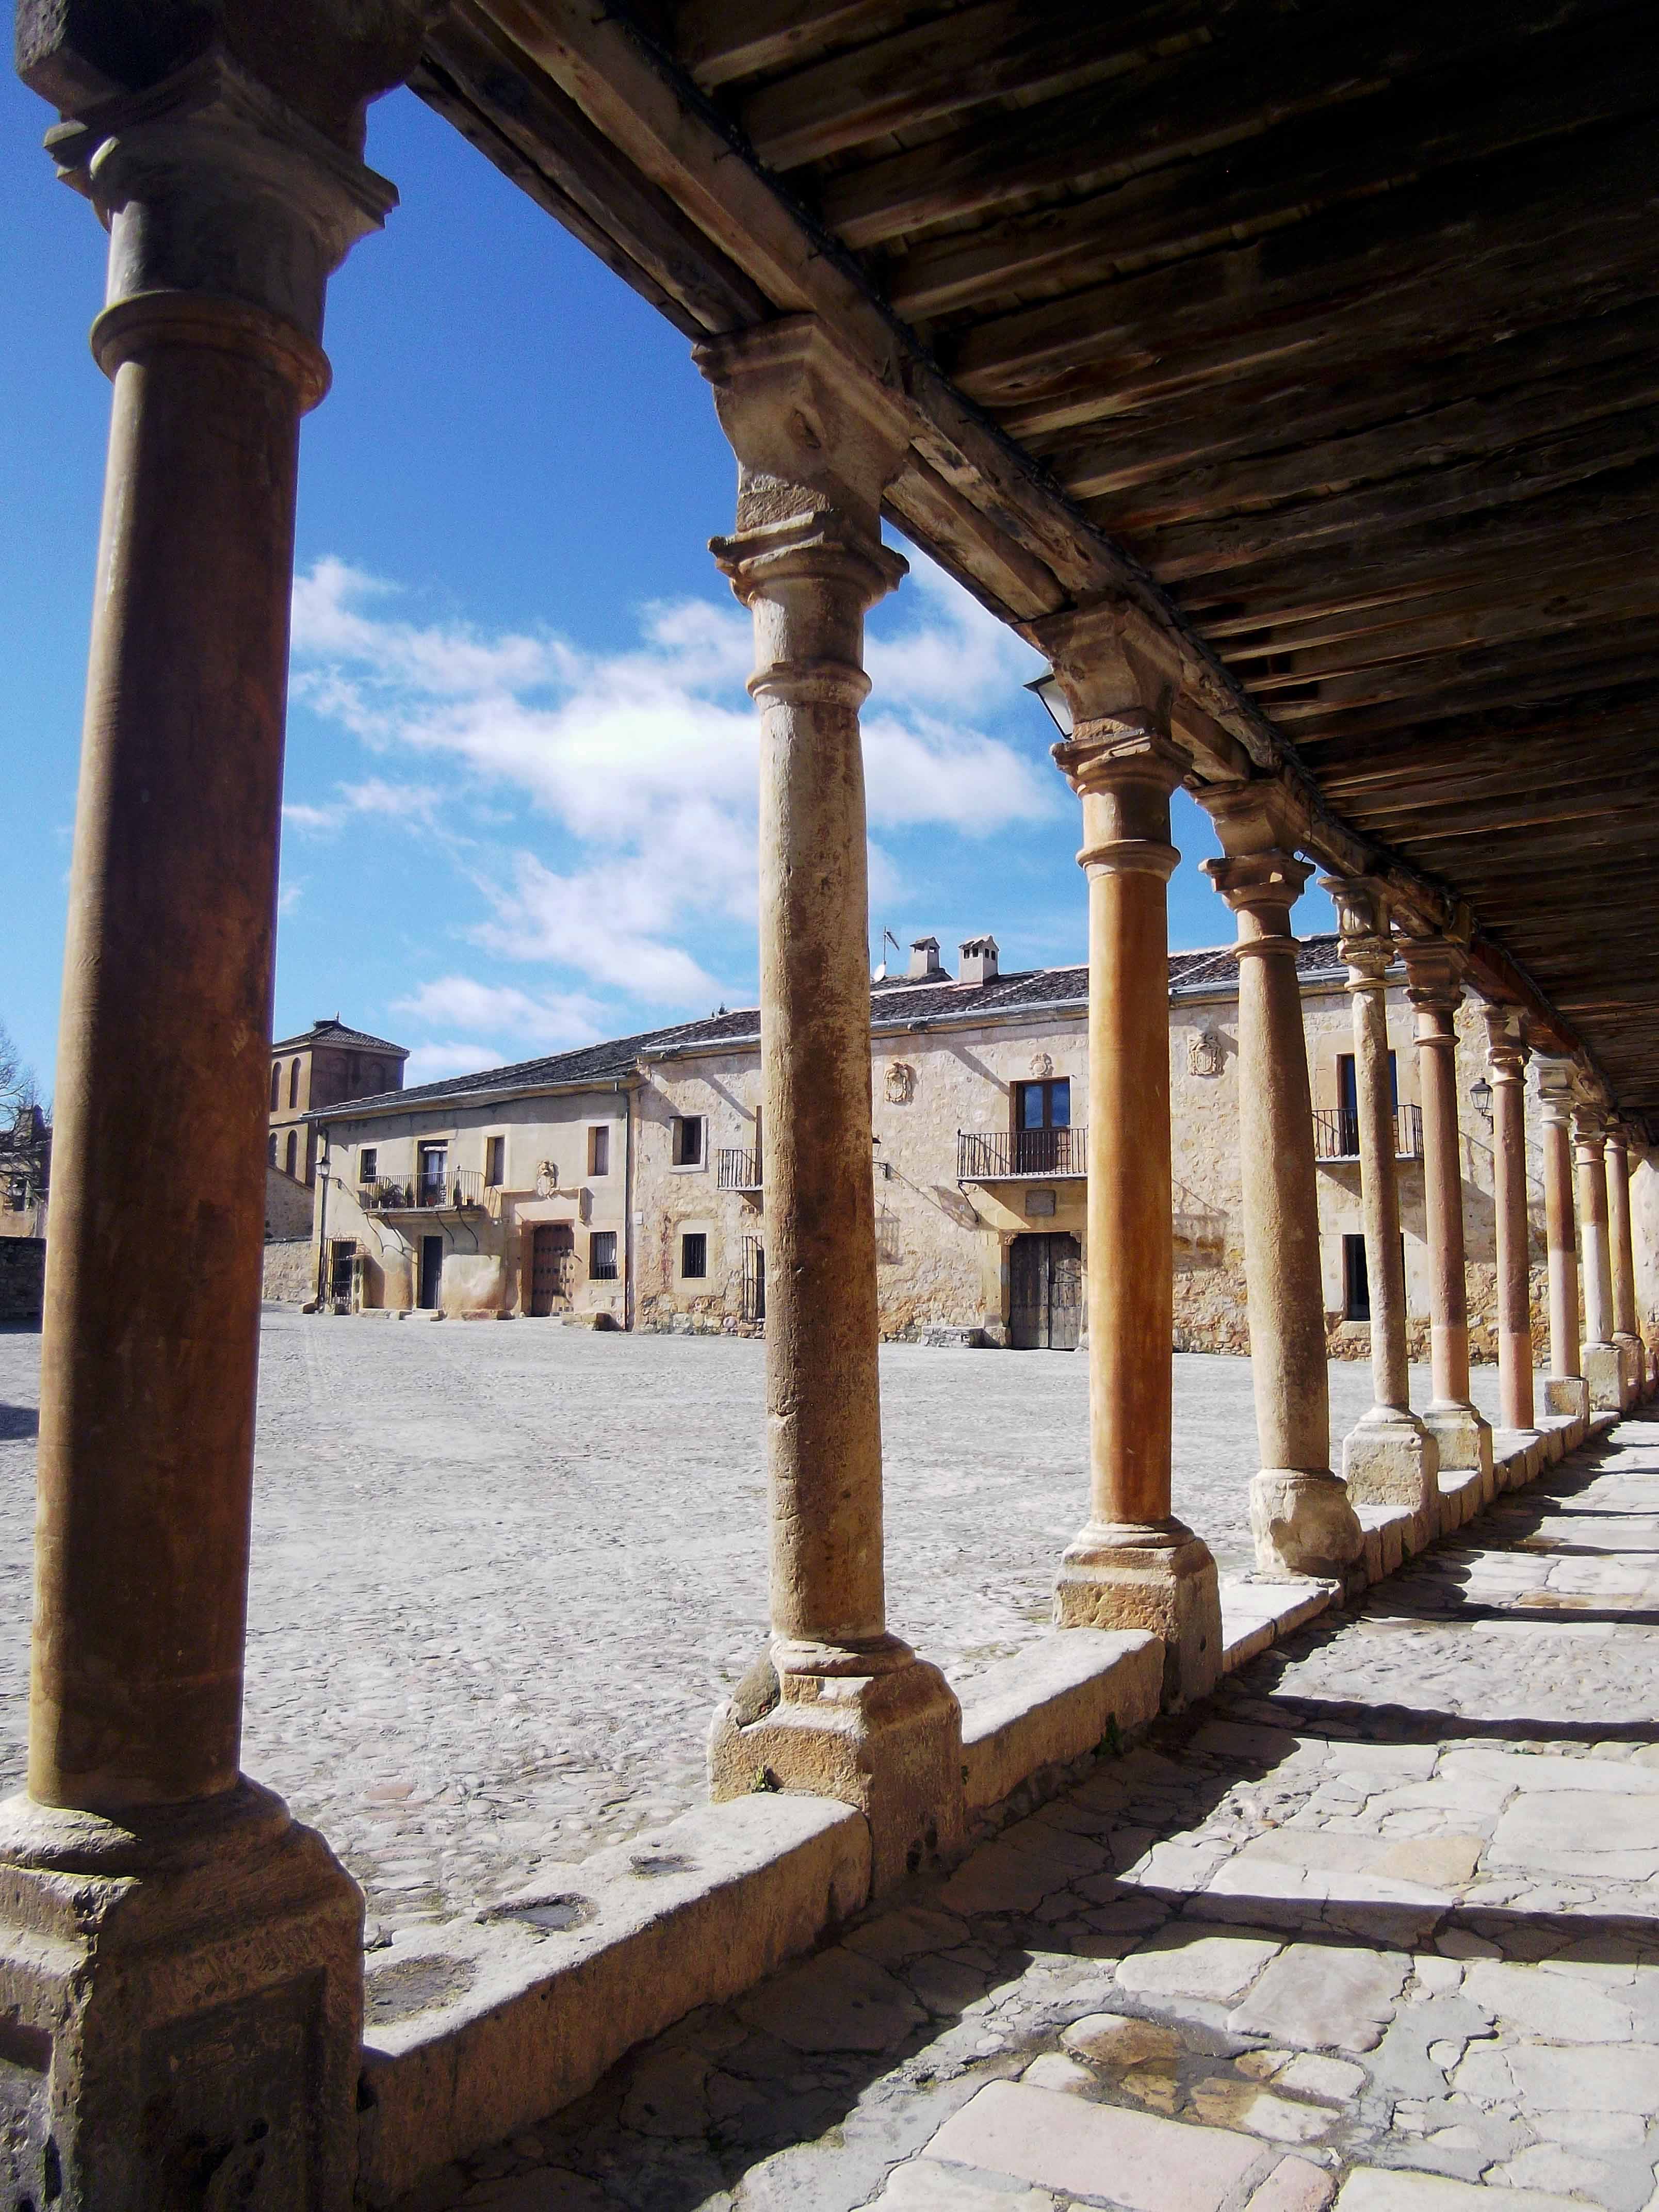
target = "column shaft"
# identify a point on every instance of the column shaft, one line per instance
(1507, 1063)
(1561, 1230)
(1433, 971)
(1603, 1363)
(1300, 1511)
(1620, 1236)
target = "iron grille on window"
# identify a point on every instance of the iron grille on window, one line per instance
(754, 1280)
(1336, 1133)
(694, 1256)
(602, 1255)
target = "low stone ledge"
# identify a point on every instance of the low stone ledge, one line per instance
(1517, 1456)
(1389, 1537)
(477, 2027)
(1461, 1496)
(1053, 1703)
(1255, 1614)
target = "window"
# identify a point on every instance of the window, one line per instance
(602, 1255)
(598, 1151)
(688, 1140)
(276, 1087)
(495, 1162)
(694, 1256)
(369, 1163)
(1356, 1281)
(293, 1152)
(273, 1148)
(434, 1169)
(293, 1084)
(1042, 1127)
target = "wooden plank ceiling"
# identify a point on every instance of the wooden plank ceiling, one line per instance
(1328, 326)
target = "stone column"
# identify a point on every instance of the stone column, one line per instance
(1390, 1458)
(1132, 1564)
(1625, 1333)
(1506, 1063)
(181, 1962)
(1434, 970)
(841, 1708)
(1300, 1514)
(1599, 1356)
(1564, 1388)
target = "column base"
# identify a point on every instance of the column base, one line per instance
(887, 1739)
(1633, 1366)
(1464, 1438)
(1302, 1523)
(1603, 1372)
(1567, 1395)
(1388, 1458)
(1156, 1577)
(180, 2009)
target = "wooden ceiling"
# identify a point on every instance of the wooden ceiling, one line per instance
(1327, 331)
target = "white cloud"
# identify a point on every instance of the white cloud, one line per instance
(643, 766)
(430, 1063)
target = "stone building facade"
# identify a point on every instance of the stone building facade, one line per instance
(625, 1184)
(324, 1064)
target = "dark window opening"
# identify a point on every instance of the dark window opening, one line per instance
(495, 1161)
(369, 1161)
(294, 1084)
(688, 1140)
(293, 1152)
(598, 1151)
(602, 1255)
(1356, 1281)
(693, 1256)
(433, 1169)
(273, 1148)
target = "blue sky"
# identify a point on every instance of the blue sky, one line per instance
(519, 806)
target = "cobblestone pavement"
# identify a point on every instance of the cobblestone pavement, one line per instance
(1377, 1923)
(501, 1575)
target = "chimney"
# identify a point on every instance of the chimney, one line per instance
(924, 961)
(979, 960)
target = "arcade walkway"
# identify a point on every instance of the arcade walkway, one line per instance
(1379, 1920)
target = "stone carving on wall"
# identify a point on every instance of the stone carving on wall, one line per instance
(547, 1178)
(1205, 1053)
(1042, 1064)
(901, 1083)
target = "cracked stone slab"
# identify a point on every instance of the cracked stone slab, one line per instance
(1318, 1995)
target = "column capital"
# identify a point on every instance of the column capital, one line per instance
(1260, 816)
(1113, 688)
(1506, 1048)
(215, 192)
(812, 426)
(1124, 779)
(1590, 1128)
(1557, 1089)
(1264, 885)
(1362, 921)
(1434, 974)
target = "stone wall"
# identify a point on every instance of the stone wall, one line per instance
(22, 1275)
(289, 1205)
(290, 1270)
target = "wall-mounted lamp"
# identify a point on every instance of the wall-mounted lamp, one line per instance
(1481, 1097)
(1047, 689)
(884, 1168)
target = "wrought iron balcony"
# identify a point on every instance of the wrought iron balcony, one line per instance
(1336, 1133)
(1011, 1155)
(458, 1191)
(737, 1170)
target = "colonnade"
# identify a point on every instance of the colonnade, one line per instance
(180, 1960)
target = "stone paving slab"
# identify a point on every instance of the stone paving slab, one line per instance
(1125, 2001)
(503, 1574)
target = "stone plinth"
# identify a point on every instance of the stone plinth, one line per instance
(1156, 1577)
(1391, 1458)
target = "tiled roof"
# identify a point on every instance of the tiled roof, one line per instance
(895, 1001)
(335, 1031)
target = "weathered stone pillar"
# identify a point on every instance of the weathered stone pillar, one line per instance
(1434, 970)
(1625, 1333)
(180, 1962)
(1599, 1355)
(1132, 1564)
(842, 1708)
(1506, 1062)
(1300, 1515)
(1564, 1388)
(1390, 1458)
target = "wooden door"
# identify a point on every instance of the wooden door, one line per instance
(432, 1272)
(1046, 1287)
(552, 1267)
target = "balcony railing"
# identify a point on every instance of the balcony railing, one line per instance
(1336, 1133)
(1009, 1155)
(455, 1192)
(737, 1170)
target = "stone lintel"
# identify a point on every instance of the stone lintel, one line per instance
(1260, 817)
(811, 425)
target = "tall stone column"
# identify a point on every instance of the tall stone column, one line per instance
(1132, 1564)
(1564, 1388)
(1599, 1356)
(180, 1961)
(1300, 1514)
(841, 1708)
(1388, 1458)
(1627, 1334)
(1434, 970)
(1506, 1063)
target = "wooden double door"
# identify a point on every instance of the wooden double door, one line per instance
(1046, 1288)
(552, 1267)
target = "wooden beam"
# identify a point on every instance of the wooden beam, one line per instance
(720, 41)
